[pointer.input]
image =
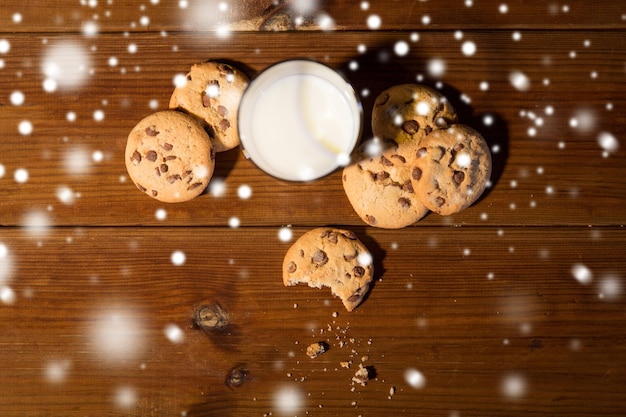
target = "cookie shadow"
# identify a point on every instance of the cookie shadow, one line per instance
(380, 68)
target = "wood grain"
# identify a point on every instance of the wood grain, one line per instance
(513, 307)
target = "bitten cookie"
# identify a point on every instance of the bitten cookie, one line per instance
(379, 185)
(332, 258)
(452, 169)
(212, 93)
(407, 112)
(169, 156)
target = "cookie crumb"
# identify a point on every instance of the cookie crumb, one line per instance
(315, 349)
(361, 376)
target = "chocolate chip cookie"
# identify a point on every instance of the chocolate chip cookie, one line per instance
(451, 169)
(378, 185)
(169, 156)
(212, 93)
(333, 258)
(407, 112)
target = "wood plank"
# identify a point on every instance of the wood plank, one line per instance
(546, 171)
(494, 319)
(201, 16)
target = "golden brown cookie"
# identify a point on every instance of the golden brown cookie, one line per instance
(379, 188)
(452, 169)
(212, 93)
(333, 258)
(169, 156)
(410, 112)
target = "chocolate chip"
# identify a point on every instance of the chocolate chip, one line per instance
(164, 168)
(292, 267)
(404, 202)
(331, 236)
(428, 130)
(169, 158)
(359, 271)
(421, 152)
(416, 174)
(206, 100)
(224, 124)
(381, 176)
(319, 258)
(411, 127)
(151, 156)
(386, 162)
(154, 193)
(222, 111)
(408, 186)
(458, 176)
(173, 178)
(194, 186)
(400, 158)
(142, 188)
(136, 158)
(158, 171)
(370, 219)
(349, 234)
(167, 146)
(440, 201)
(151, 131)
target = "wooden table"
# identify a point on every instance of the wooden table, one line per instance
(516, 306)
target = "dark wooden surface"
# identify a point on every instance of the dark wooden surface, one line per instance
(515, 306)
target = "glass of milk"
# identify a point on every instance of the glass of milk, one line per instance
(299, 120)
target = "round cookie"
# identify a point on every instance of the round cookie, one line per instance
(451, 169)
(169, 156)
(379, 185)
(407, 112)
(212, 93)
(330, 257)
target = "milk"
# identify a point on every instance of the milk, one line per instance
(299, 120)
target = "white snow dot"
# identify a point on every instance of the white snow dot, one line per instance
(90, 28)
(582, 273)
(514, 386)
(97, 156)
(70, 116)
(65, 65)
(516, 36)
(180, 80)
(285, 234)
(288, 400)
(244, 192)
(503, 8)
(234, 222)
(17, 98)
(374, 21)
(463, 160)
(217, 187)
(65, 195)
(98, 115)
(132, 48)
(2, 170)
(5, 46)
(423, 108)
(436, 67)
(426, 19)
(50, 85)
(160, 214)
(484, 86)
(178, 257)
(468, 48)
(113, 61)
(25, 127)
(174, 333)
(401, 48)
(365, 259)
(519, 80)
(17, 18)
(608, 142)
(20, 175)
(414, 378)
(125, 397)
(7, 295)
(144, 20)
(365, 5)
(610, 288)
